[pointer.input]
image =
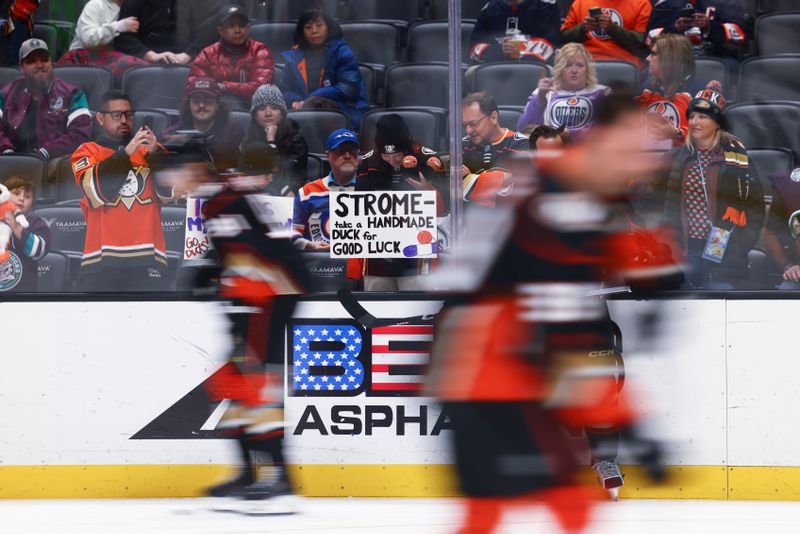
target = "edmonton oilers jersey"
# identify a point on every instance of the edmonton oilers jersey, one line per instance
(574, 111)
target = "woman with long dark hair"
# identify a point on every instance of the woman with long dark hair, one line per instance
(322, 65)
(270, 125)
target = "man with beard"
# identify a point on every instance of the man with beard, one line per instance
(121, 203)
(39, 113)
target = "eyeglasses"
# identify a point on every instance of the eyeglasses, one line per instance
(342, 150)
(117, 115)
(202, 99)
(473, 124)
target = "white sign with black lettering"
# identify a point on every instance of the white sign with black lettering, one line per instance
(383, 224)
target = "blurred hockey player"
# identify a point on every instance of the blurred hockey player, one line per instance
(259, 274)
(529, 351)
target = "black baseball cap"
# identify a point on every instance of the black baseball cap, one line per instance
(233, 10)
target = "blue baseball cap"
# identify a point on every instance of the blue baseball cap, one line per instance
(340, 137)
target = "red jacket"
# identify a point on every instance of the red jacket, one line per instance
(242, 70)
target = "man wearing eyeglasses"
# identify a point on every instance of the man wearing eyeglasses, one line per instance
(487, 149)
(39, 113)
(311, 205)
(124, 248)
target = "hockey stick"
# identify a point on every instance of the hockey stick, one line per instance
(360, 314)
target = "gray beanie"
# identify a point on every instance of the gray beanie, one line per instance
(267, 95)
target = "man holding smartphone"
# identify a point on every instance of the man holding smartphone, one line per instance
(124, 248)
(716, 28)
(609, 29)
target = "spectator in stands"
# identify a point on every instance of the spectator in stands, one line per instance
(271, 126)
(487, 146)
(710, 198)
(203, 111)
(610, 29)
(322, 65)
(546, 137)
(41, 114)
(238, 63)
(312, 201)
(570, 97)
(16, 25)
(28, 245)
(515, 29)
(398, 163)
(781, 246)
(169, 31)
(97, 28)
(125, 249)
(664, 98)
(716, 28)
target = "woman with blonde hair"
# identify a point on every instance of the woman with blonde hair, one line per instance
(664, 97)
(710, 197)
(568, 99)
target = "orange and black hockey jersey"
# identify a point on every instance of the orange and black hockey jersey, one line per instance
(671, 108)
(121, 205)
(488, 174)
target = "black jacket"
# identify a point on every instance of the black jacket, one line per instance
(732, 189)
(293, 158)
(169, 25)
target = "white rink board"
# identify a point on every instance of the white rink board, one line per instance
(77, 380)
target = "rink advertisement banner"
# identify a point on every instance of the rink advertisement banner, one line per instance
(383, 224)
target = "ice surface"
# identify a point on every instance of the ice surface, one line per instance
(389, 516)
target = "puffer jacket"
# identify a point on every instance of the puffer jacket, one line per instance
(340, 81)
(242, 69)
(63, 120)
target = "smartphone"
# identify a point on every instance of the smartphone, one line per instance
(148, 122)
(686, 13)
(595, 11)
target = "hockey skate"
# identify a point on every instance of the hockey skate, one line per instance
(610, 477)
(244, 479)
(262, 498)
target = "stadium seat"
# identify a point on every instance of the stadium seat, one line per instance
(66, 190)
(8, 75)
(470, 9)
(156, 86)
(276, 35)
(26, 165)
(48, 34)
(53, 273)
(709, 68)
(766, 124)
(285, 10)
(316, 168)
(317, 124)
(773, 6)
(614, 73)
(94, 81)
(277, 77)
(160, 120)
(428, 41)
(509, 116)
(407, 11)
(758, 269)
(418, 84)
(770, 78)
(770, 161)
(370, 77)
(511, 83)
(373, 42)
(67, 228)
(243, 118)
(426, 125)
(173, 222)
(777, 33)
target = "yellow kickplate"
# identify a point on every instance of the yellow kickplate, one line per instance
(158, 481)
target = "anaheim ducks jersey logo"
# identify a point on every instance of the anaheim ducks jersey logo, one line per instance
(572, 113)
(132, 190)
(616, 18)
(666, 109)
